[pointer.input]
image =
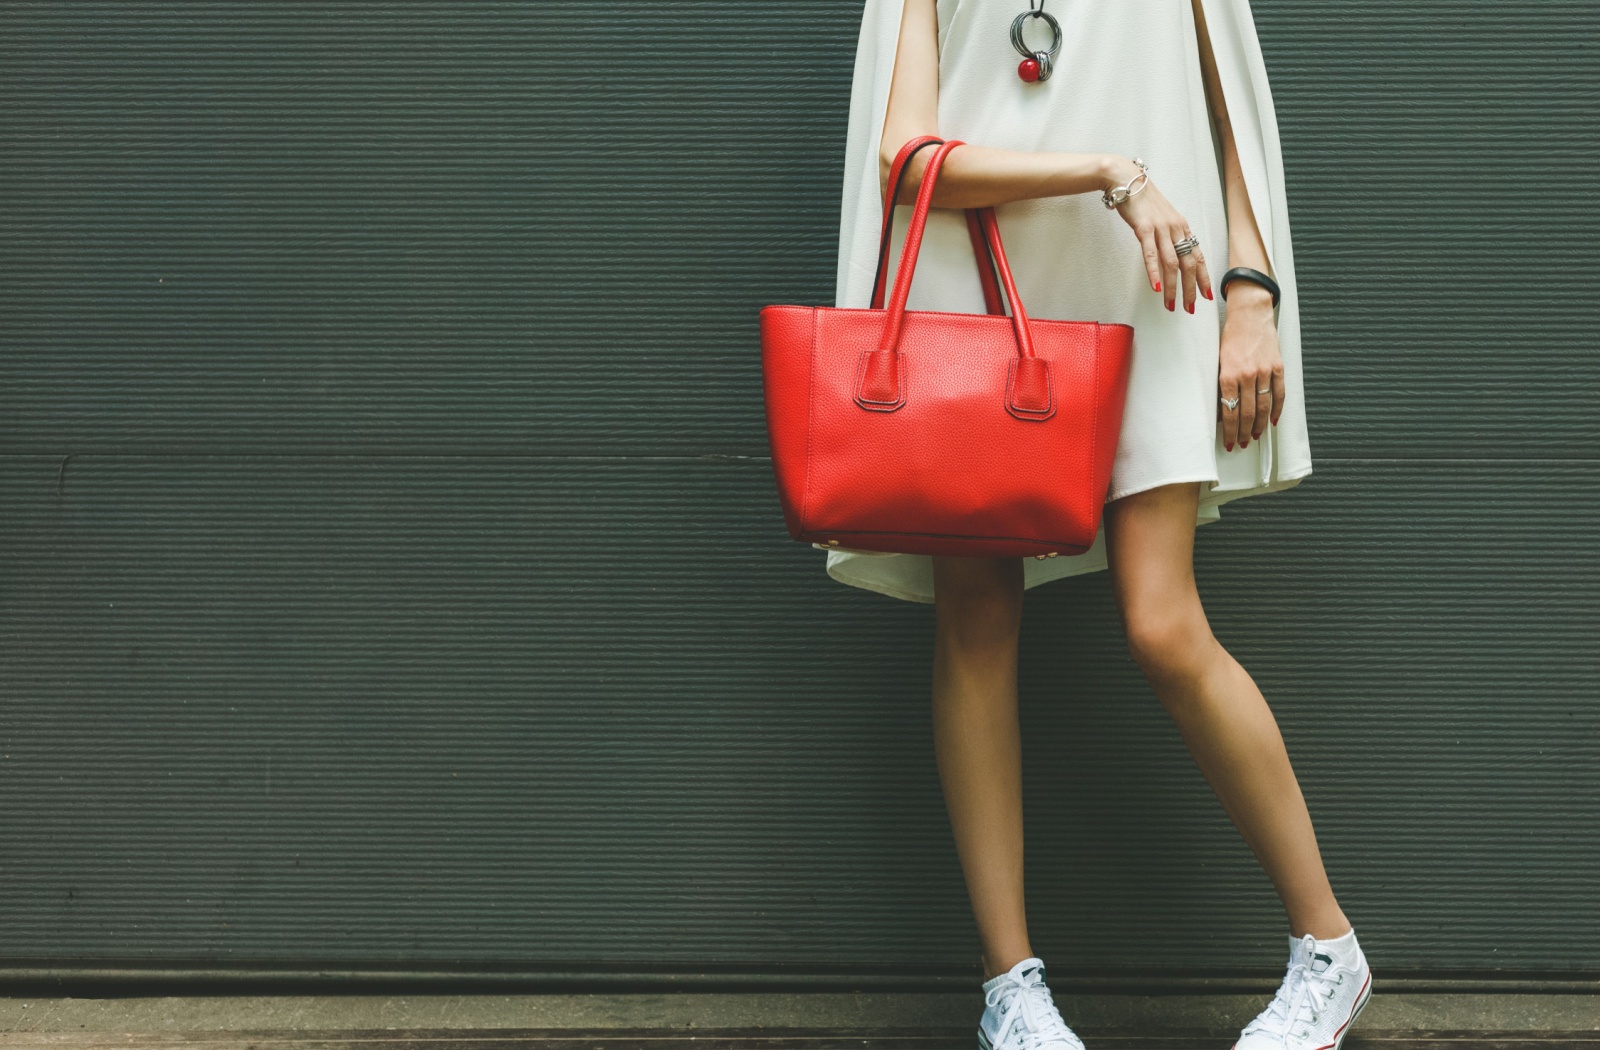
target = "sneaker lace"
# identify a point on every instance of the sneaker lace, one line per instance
(1302, 996)
(1043, 1026)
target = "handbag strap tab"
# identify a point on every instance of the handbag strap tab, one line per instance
(1028, 393)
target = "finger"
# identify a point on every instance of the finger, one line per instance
(1169, 266)
(1204, 274)
(1264, 400)
(1279, 392)
(1191, 282)
(1230, 416)
(1247, 408)
(1152, 257)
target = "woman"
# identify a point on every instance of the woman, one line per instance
(1213, 410)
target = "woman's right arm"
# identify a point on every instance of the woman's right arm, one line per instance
(977, 176)
(974, 176)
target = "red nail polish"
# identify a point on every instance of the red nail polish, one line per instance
(1245, 443)
(1228, 447)
(1189, 307)
(1158, 286)
(1209, 295)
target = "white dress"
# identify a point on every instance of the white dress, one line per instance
(1127, 80)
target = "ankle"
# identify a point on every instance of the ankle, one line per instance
(1327, 927)
(1010, 959)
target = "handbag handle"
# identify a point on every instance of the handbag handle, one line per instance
(980, 248)
(880, 384)
(913, 245)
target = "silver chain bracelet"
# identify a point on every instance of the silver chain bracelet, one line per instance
(1120, 195)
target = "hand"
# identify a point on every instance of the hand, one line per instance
(1249, 366)
(1158, 225)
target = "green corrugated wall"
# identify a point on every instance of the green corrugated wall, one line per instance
(391, 570)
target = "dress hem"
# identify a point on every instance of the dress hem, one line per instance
(1070, 566)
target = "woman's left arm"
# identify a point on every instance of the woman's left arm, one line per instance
(1250, 365)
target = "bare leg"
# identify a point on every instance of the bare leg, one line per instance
(1220, 713)
(977, 743)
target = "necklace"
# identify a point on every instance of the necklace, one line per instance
(1036, 66)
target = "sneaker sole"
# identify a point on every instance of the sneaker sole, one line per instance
(983, 1040)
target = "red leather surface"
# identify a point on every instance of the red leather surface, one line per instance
(934, 432)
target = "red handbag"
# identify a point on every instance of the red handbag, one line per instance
(927, 432)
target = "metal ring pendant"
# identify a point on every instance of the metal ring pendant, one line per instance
(1039, 63)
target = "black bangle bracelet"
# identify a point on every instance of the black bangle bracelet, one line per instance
(1244, 273)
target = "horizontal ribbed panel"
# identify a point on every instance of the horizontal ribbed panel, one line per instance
(423, 708)
(483, 228)
(390, 569)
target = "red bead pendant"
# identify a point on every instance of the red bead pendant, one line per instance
(1028, 69)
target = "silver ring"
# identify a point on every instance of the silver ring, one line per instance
(1229, 403)
(1187, 245)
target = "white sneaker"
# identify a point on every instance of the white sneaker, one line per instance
(1317, 1002)
(1019, 1013)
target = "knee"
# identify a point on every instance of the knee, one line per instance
(1169, 642)
(979, 614)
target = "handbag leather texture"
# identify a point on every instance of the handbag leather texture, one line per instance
(934, 432)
